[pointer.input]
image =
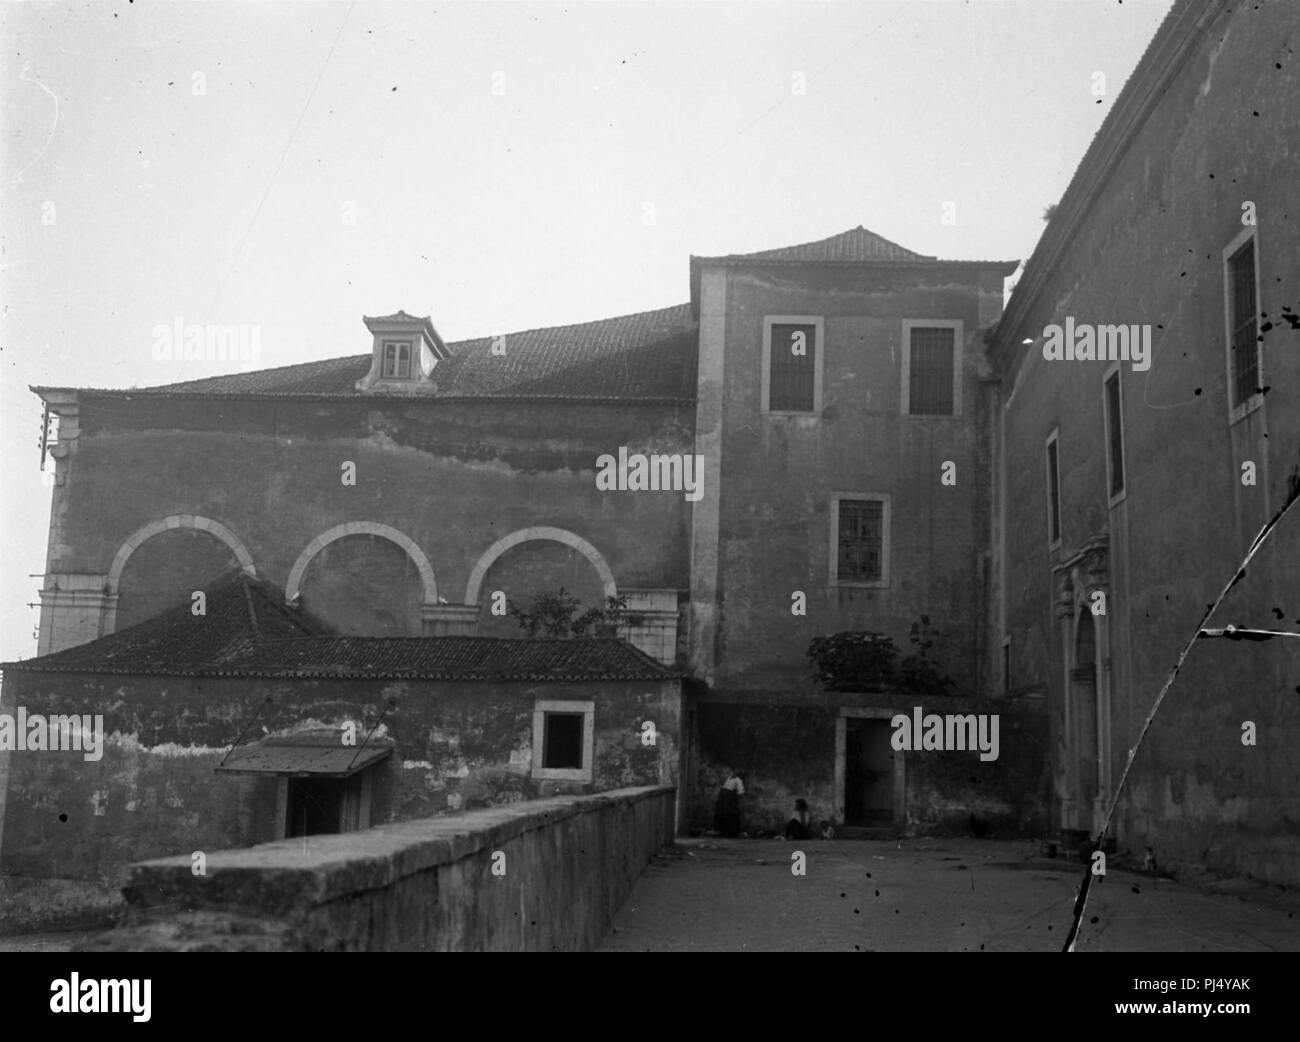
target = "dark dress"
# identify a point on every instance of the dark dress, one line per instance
(796, 829)
(726, 813)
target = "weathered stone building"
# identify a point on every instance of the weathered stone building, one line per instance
(880, 449)
(248, 724)
(853, 487)
(387, 498)
(1147, 482)
(389, 505)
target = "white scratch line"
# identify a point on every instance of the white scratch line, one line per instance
(54, 126)
(1232, 631)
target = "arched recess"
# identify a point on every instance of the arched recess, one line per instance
(363, 528)
(202, 524)
(524, 535)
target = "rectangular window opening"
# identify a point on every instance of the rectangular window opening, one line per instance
(930, 371)
(1115, 434)
(792, 368)
(861, 540)
(397, 361)
(1053, 491)
(562, 741)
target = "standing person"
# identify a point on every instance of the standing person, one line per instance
(726, 814)
(797, 826)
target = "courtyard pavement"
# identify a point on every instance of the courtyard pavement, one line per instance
(931, 895)
(912, 895)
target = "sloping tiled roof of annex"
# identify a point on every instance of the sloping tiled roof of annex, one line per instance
(451, 658)
(239, 610)
(248, 631)
(649, 356)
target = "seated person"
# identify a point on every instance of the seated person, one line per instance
(797, 826)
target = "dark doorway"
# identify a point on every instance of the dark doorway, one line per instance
(315, 806)
(868, 772)
(318, 805)
(1083, 692)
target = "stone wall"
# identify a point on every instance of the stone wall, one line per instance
(439, 486)
(790, 751)
(458, 747)
(543, 876)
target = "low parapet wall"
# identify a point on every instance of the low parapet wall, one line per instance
(546, 875)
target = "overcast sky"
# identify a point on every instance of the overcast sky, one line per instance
(509, 165)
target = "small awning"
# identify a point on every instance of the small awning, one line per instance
(315, 754)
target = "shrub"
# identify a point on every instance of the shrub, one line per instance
(862, 661)
(555, 614)
(851, 661)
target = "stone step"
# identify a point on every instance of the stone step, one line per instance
(863, 832)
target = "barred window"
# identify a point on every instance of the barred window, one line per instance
(1244, 345)
(792, 368)
(861, 540)
(930, 371)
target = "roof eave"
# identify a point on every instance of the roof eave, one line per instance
(1001, 267)
(325, 673)
(148, 393)
(55, 396)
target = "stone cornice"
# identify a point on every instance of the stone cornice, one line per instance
(1083, 572)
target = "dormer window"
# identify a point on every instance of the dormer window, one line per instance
(405, 351)
(397, 360)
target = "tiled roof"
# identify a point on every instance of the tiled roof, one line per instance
(240, 610)
(334, 376)
(318, 752)
(453, 658)
(648, 356)
(248, 631)
(398, 316)
(856, 245)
